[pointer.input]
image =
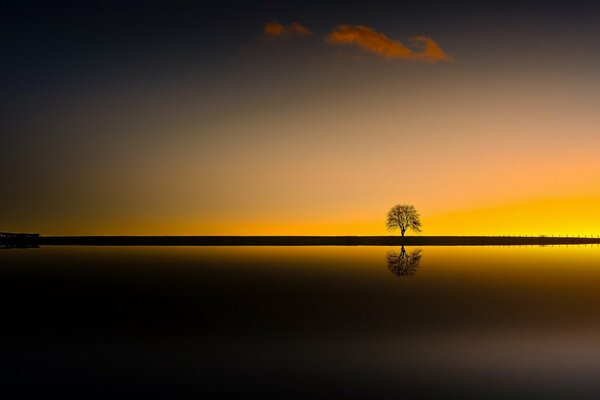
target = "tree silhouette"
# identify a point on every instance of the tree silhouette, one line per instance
(403, 217)
(403, 263)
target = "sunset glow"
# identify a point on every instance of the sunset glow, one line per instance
(309, 199)
(312, 126)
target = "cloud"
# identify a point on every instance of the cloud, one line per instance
(368, 39)
(421, 48)
(275, 30)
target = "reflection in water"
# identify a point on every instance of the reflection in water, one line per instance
(403, 263)
(18, 246)
(489, 322)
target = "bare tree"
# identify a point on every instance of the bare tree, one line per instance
(403, 263)
(403, 217)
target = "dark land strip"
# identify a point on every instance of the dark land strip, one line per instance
(33, 241)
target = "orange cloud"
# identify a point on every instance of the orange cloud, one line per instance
(275, 29)
(368, 39)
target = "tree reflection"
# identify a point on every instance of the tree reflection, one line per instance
(403, 263)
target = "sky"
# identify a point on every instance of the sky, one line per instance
(243, 118)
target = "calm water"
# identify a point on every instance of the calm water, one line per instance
(301, 321)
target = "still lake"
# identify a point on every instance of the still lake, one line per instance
(123, 322)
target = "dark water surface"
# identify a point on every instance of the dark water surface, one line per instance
(353, 322)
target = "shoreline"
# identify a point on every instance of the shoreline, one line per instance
(294, 241)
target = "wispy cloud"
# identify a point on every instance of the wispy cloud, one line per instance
(420, 48)
(275, 29)
(423, 48)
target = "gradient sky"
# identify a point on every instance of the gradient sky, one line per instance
(151, 117)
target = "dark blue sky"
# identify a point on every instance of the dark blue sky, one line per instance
(107, 105)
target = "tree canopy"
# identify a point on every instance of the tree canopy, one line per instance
(403, 217)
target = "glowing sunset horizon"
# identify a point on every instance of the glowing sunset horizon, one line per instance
(289, 123)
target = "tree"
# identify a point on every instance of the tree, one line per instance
(403, 217)
(403, 263)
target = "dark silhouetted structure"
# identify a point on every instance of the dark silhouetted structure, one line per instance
(295, 240)
(403, 217)
(18, 240)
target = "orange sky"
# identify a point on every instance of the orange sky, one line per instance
(295, 136)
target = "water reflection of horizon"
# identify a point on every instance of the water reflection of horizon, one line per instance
(403, 263)
(5, 246)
